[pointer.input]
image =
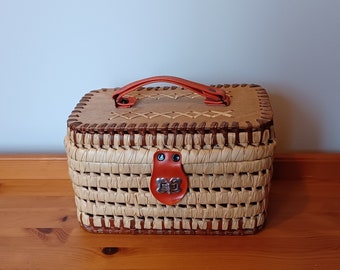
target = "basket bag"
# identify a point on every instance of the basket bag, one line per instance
(182, 158)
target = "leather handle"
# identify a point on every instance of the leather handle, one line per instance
(214, 96)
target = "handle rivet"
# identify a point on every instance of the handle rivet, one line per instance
(161, 157)
(176, 157)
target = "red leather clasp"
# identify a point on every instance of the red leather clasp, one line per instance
(168, 182)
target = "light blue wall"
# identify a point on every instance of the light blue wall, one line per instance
(53, 52)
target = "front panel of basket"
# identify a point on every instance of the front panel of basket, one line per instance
(168, 182)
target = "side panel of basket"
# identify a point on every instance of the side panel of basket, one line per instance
(228, 190)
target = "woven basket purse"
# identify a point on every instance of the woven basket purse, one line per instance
(181, 159)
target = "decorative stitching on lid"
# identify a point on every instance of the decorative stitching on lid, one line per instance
(170, 115)
(167, 94)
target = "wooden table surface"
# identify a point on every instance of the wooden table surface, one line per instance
(39, 230)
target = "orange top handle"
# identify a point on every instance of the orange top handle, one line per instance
(214, 96)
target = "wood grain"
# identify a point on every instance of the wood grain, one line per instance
(39, 230)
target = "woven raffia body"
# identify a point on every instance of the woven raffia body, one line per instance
(227, 159)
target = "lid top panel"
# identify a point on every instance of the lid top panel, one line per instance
(249, 106)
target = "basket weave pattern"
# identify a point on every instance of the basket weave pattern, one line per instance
(229, 168)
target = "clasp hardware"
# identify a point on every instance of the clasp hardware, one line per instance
(168, 186)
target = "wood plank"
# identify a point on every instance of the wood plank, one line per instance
(35, 187)
(38, 166)
(315, 165)
(172, 252)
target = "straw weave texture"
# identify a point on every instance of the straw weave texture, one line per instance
(228, 187)
(226, 153)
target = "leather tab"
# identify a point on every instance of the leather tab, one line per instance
(126, 102)
(168, 182)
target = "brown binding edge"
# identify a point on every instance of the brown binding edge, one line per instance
(120, 229)
(265, 122)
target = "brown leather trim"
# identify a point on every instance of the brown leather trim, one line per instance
(250, 132)
(131, 130)
(202, 131)
(264, 102)
(225, 130)
(235, 129)
(142, 129)
(153, 130)
(213, 130)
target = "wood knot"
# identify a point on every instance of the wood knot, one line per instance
(45, 230)
(110, 250)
